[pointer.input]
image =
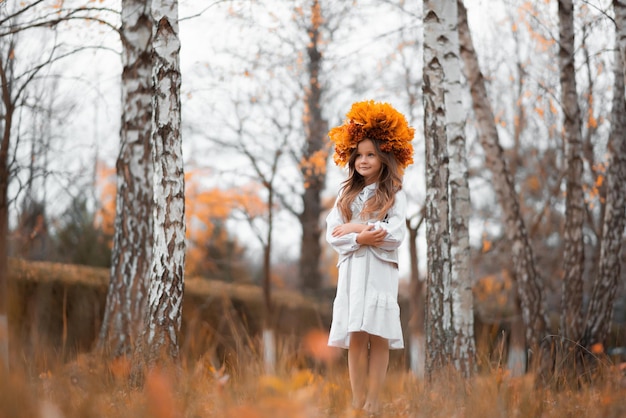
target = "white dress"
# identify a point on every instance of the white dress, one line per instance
(367, 288)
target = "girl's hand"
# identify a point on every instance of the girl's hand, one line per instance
(371, 236)
(343, 229)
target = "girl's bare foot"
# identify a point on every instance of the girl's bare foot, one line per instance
(358, 404)
(372, 409)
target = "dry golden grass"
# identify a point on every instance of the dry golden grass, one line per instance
(221, 373)
(310, 381)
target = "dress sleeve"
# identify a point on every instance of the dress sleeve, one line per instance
(344, 244)
(395, 223)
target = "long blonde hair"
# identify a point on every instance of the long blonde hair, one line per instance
(389, 182)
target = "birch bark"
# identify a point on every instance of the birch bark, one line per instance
(437, 210)
(132, 242)
(573, 257)
(159, 339)
(600, 310)
(463, 347)
(619, 8)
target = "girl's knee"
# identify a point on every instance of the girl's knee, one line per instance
(359, 339)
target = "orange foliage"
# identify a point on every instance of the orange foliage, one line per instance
(592, 121)
(106, 183)
(203, 208)
(494, 290)
(498, 119)
(207, 208)
(314, 165)
(486, 245)
(533, 183)
(528, 9)
(553, 108)
(597, 348)
(593, 191)
(315, 344)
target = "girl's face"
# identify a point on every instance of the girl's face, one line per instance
(367, 162)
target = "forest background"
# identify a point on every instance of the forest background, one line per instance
(247, 82)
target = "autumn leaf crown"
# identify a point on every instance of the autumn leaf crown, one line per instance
(373, 120)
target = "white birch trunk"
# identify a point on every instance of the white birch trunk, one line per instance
(437, 231)
(600, 311)
(269, 350)
(165, 295)
(132, 242)
(619, 8)
(463, 347)
(417, 355)
(572, 318)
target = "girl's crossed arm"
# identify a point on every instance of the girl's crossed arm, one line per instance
(366, 234)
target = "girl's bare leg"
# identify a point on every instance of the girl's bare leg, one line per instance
(378, 362)
(357, 367)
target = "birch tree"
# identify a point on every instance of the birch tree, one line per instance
(462, 304)
(132, 243)
(159, 340)
(448, 205)
(619, 8)
(437, 209)
(600, 309)
(529, 286)
(572, 296)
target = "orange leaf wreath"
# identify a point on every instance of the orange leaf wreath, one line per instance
(374, 120)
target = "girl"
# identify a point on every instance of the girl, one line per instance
(366, 226)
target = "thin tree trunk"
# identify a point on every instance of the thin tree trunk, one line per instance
(529, 286)
(600, 310)
(437, 231)
(516, 360)
(619, 8)
(132, 242)
(315, 152)
(417, 341)
(269, 341)
(463, 348)
(4, 214)
(159, 340)
(571, 320)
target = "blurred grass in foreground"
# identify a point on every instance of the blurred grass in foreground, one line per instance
(311, 380)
